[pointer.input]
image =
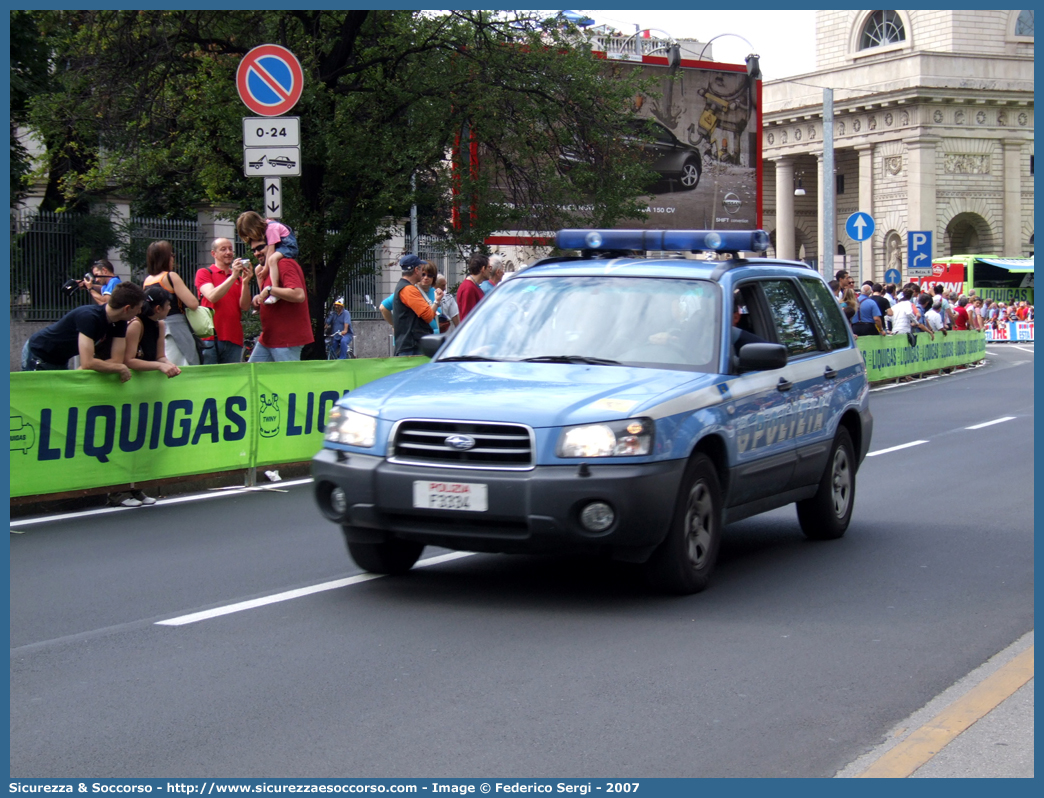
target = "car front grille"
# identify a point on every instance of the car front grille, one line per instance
(479, 445)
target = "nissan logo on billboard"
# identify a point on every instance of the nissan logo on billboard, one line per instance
(731, 203)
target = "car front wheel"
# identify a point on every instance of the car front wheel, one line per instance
(690, 176)
(684, 561)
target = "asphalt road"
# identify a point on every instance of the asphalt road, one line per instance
(796, 661)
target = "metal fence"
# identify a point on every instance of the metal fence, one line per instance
(185, 239)
(49, 248)
(365, 282)
(43, 256)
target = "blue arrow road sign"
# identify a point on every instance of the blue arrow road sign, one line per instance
(860, 226)
(919, 253)
(893, 276)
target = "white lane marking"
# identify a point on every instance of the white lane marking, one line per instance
(43, 519)
(895, 448)
(217, 612)
(991, 423)
(1023, 349)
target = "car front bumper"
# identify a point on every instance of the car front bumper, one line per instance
(533, 511)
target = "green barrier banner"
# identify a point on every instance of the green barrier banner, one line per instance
(72, 430)
(891, 356)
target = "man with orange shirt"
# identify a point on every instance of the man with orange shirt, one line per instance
(411, 313)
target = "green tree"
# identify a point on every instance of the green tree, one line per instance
(28, 78)
(387, 94)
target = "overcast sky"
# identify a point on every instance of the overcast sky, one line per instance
(785, 40)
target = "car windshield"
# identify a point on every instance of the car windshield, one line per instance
(605, 320)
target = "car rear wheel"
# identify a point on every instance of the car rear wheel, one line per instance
(684, 561)
(690, 176)
(390, 557)
(826, 515)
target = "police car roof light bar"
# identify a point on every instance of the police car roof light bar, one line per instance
(664, 240)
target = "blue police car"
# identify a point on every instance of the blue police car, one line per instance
(610, 403)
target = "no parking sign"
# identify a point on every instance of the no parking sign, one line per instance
(270, 80)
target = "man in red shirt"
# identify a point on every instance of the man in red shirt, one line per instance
(285, 326)
(470, 294)
(960, 314)
(220, 287)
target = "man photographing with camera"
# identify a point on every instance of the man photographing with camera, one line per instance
(102, 280)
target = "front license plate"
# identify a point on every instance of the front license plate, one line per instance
(470, 496)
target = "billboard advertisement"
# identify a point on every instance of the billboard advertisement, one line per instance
(705, 118)
(704, 123)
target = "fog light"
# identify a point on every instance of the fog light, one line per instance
(338, 501)
(597, 516)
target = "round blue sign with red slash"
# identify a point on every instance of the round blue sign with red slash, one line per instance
(270, 80)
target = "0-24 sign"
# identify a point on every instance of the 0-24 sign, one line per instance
(272, 131)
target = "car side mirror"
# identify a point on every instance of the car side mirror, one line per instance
(431, 344)
(762, 357)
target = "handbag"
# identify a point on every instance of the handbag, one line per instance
(201, 320)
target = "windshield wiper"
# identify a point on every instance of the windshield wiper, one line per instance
(594, 361)
(457, 358)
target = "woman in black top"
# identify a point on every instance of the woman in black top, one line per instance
(146, 350)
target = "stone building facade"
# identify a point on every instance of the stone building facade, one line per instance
(933, 130)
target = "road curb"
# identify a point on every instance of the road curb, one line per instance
(916, 740)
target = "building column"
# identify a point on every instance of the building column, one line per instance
(866, 205)
(922, 213)
(785, 208)
(1013, 246)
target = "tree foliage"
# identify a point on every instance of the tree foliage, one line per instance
(144, 103)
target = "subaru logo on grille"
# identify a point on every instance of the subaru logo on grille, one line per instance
(460, 442)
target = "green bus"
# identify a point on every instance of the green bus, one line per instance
(1001, 279)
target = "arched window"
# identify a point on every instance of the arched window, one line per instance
(1024, 24)
(883, 27)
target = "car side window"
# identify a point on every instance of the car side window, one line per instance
(826, 309)
(793, 324)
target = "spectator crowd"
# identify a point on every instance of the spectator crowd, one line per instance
(884, 309)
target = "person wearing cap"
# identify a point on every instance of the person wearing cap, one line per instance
(339, 325)
(412, 314)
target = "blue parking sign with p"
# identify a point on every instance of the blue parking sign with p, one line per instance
(919, 252)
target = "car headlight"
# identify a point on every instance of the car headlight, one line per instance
(347, 426)
(630, 437)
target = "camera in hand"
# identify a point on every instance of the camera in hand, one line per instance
(70, 286)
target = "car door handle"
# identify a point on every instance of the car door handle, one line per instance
(829, 373)
(784, 385)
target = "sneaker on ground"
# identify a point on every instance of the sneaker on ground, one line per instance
(123, 500)
(142, 498)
